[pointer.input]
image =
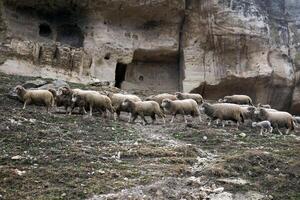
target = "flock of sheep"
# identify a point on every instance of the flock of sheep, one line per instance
(236, 108)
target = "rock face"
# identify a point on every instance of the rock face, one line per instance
(213, 47)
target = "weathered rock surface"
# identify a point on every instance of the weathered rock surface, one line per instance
(214, 47)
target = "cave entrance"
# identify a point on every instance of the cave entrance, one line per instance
(120, 74)
(45, 30)
(70, 34)
(153, 71)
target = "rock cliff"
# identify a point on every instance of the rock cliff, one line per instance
(214, 47)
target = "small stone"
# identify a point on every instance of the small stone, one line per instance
(242, 135)
(16, 157)
(19, 172)
(204, 137)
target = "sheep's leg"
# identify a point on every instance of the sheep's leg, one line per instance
(164, 120)
(217, 122)
(153, 118)
(172, 120)
(185, 120)
(84, 111)
(24, 106)
(279, 131)
(91, 110)
(271, 129)
(287, 131)
(200, 118)
(223, 123)
(261, 132)
(134, 118)
(144, 119)
(130, 116)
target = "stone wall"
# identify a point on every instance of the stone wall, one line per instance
(214, 47)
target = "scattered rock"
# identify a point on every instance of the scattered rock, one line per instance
(220, 196)
(242, 135)
(34, 83)
(19, 172)
(235, 181)
(16, 157)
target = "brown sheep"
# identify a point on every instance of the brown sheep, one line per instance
(37, 97)
(160, 97)
(142, 109)
(183, 107)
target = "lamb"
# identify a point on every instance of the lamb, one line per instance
(44, 97)
(183, 107)
(117, 100)
(259, 105)
(197, 97)
(142, 109)
(265, 126)
(93, 100)
(160, 97)
(224, 111)
(238, 99)
(278, 119)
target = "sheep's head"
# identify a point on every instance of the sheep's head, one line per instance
(254, 124)
(150, 98)
(126, 103)
(178, 95)
(221, 101)
(251, 109)
(19, 89)
(63, 91)
(75, 97)
(166, 103)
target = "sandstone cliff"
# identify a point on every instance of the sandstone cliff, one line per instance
(214, 47)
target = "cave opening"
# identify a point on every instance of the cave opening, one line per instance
(70, 34)
(120, 74)
(45, 30)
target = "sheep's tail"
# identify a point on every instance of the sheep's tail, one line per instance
(293, 124)
(250, 102)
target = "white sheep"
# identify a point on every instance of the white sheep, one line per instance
(142, 109)
(37, 97)
(278, 119)
(265, 126)
(183, 107)
(160, 97)
(197, 97)
(237, 99)
(223, 111)
(117, 100)
(67, 93)
(93, 100)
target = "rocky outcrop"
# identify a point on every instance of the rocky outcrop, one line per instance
(213, 47)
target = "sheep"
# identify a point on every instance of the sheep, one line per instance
(117, 100)
(63, 99)
(160, 97)
(142, 109)
(35, 97)
(265, 126)
(278, 119)
(183, 107)
(223, 111)
(93, 100)
(259, 105)
(66, 94)
(197, 97)
(238, 99)
(296, 120)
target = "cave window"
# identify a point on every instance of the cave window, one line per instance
(107, 56)
(141, 78)
(70, 35)
(120, 74)
(45, 30)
